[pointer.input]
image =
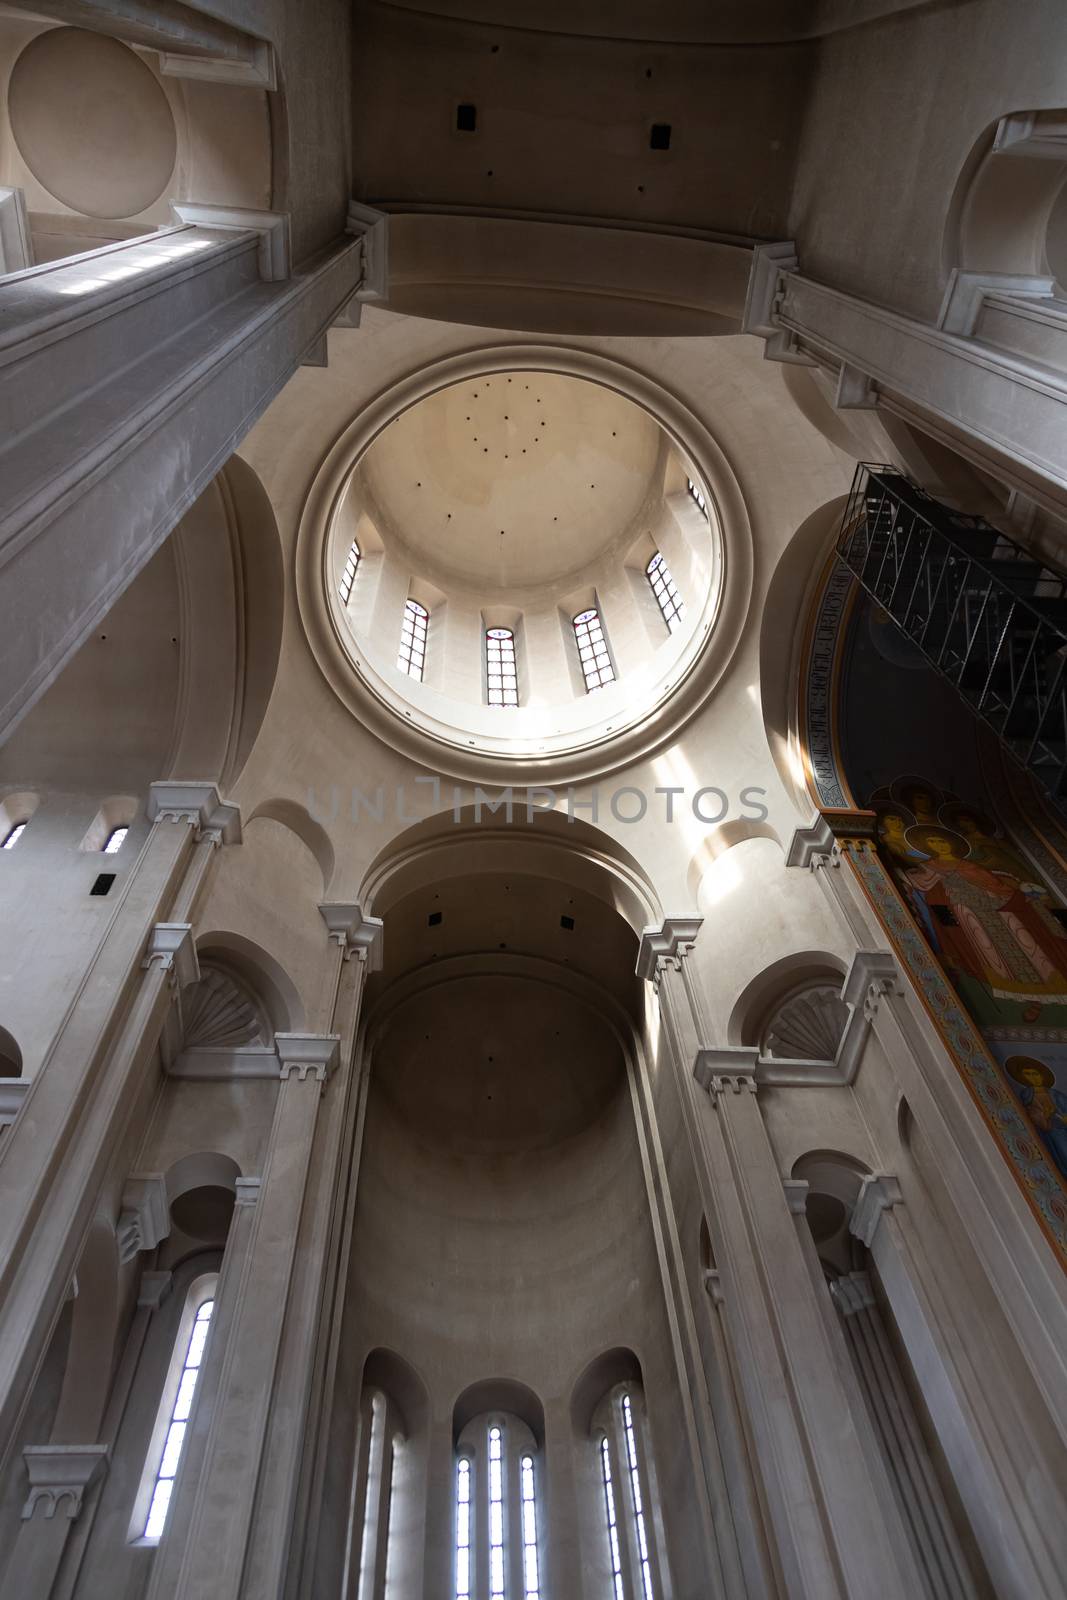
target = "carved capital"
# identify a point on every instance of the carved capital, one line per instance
(307, 1055)
(851, 1293)
(171, 944)
(729, 1070)
(246, 1191)
(356, 934)
(199, 805)
(59, 1476)
(372, 229)
(666, 946)
(879, 1191)
(271, 226)
(796, 1195)
(145, 1215)
(872, 975)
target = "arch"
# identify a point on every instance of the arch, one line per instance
(258, 971)
(499, 1394)
(10, 1056)
(299, 820)
(385, 1370)
(801, 969)
(723, 837)
(117, 811)
(610, 1367)
(18, 806)
(834, 1179)
(449, 843)
(1008, 200)
(201, 1191)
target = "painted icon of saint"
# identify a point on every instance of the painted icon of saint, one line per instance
(1046, 1106)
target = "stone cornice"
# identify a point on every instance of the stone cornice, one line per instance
(171, 944)
(271, 226)
(670, 942)
(372, 229)
(879, 1192)
(60, 1474)
(197, 803)
(144, 1217)
(356, 934)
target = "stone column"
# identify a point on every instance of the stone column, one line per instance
(183, 338)
(919, 1494)
(74, 1114)
(60, 1476)
(204, 1554)
(1023, 1543)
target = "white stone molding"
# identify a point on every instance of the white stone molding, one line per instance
(966, 292)
(258, 70)
(154, 1289)
(814, 846)
(356, 934)
(855, 390)
(770, 262)
(12, 1094)
(1032, 133)
(308, 1055)
(224, 1064)
(879, 1191)
(200, 804)
(871, 975)
(59, 1475)
(16, 251)
(666, 945)
(246, 1191)
(796, 1195)
(271, 226)
(372, 229)
(851, 1293)
(144, 1217)
(171, 944)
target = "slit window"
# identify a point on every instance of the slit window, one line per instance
(463, 1528)
(665, 590)
(502, 682)
(593, 656)
(12, 837)
(615, 1552)
(414, 626)
(115, 841)
(348, 576)
(697, 494)
(181, 1409)
(637, 1498)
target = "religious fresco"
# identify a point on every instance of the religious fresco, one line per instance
(997, 931)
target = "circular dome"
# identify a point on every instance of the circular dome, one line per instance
(92, 122)
(521, 557)
(512, 480)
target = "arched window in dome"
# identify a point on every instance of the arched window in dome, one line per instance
(348, 576)
(501, 676)
(597, 668)
(411, 658)
(697, 494)
(13, 835)
(175, 1410)
(665, 590)
(115, 841)
(497, 1511)
(626, 1486)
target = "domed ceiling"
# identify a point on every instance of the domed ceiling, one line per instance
(513, 480)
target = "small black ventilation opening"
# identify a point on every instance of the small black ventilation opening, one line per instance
(659, 137)
(568, 923)
(102, 883)
(467, 118)
(433, 920)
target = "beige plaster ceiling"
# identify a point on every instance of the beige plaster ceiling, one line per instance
(513, 480)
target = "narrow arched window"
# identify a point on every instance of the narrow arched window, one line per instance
(348, 575)
(498, 1533)
(115, 841)
(175, 1410)
(412, 655)
(597, 669)
(626, 1486)
(665, 590)
(501, 676)
(696, 493)
(380, 1443)
(12, 837)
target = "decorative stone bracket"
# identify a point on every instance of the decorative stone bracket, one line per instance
(666, 946)
(879, 1192)
(308, 1055)
(871, 975)
(356, 934)
(171, 944)
(144, 1217)
(372, 229)
(199, 804)
(59, 1475)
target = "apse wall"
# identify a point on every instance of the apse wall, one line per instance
(502, 1230)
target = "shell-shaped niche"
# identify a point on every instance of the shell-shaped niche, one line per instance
(806, 1026)
(220, 1014)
